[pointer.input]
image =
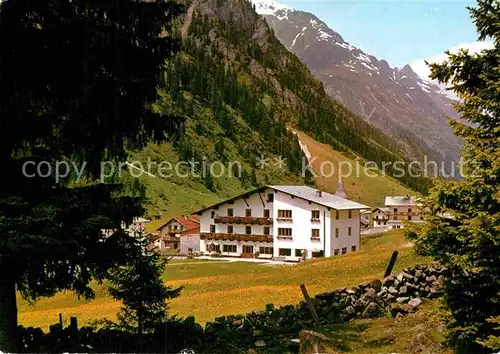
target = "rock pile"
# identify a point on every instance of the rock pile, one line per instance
(397, 294)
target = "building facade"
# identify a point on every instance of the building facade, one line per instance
(380, 217)
(281, 222)
(403, 209)
(170, 232)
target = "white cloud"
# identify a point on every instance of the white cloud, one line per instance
(423, 70)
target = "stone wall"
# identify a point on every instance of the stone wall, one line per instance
(277, 329)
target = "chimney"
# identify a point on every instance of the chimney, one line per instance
(340, 192)
(318, 194)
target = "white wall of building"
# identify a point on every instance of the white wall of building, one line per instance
(343, 223)
(239, 207)
(301, 225)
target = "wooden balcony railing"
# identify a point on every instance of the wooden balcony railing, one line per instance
(404, 213)
(243, 220)
(235, 237)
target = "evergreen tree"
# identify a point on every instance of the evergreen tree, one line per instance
(469, 242)
(140, 288)
(76, 78)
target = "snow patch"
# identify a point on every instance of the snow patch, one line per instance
(346, 45)
(323, 35)
(297, 36)
(269, 7)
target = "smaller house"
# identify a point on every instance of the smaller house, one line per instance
(138, 226)
(380, 217)
(171, 231)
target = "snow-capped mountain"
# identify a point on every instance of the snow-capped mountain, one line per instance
(396, 100)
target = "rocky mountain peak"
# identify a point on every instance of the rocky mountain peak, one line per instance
(395, 100)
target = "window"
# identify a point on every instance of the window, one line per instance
(229, 229)
(395, 217)
(284, 232)
(212, 214)
(409, 210)
(248, 249)
(421, 218)
(298, 253)
(229, 248)
(395, 210)
(315, 234)
(283, 252)
(284, 214)
(266, 250)
(230, 212)
(270, 198)
(350, 214)
(409, 217)
(336, 214)
(317, 254)
(315, 214)
(248, 229)
(248, 212)
(336, 252)
(266, 230)
(353, 248)
(266, 213)
(212, 228)
(344, 250)
(337, 233)
(349, 231)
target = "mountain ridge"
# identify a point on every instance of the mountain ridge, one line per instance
(395, 100)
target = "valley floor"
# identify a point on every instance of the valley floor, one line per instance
(215, 288)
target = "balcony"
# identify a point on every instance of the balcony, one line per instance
(235, 237)
(315, 220)
(242, 220)
(404, 213)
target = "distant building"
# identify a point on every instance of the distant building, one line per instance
(138, 226)
(380, 217)
(283, 223)
(365, 219)
(170, 232)
(401, 209)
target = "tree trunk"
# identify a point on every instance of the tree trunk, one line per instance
(8, 317)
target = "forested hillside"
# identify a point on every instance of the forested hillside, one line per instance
(237, 89)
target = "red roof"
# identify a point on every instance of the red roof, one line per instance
(188, 222)
(191, 231)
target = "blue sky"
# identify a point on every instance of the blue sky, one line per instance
(400, 32)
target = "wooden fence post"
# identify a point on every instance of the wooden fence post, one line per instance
(73, 325)
(60, 319)
(390, 266)
(309, 303)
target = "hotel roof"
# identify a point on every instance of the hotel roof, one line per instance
(304, 192)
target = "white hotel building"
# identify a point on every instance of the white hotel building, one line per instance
(281, 222)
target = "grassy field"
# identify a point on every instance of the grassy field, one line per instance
(419, 332)
(214, 288)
